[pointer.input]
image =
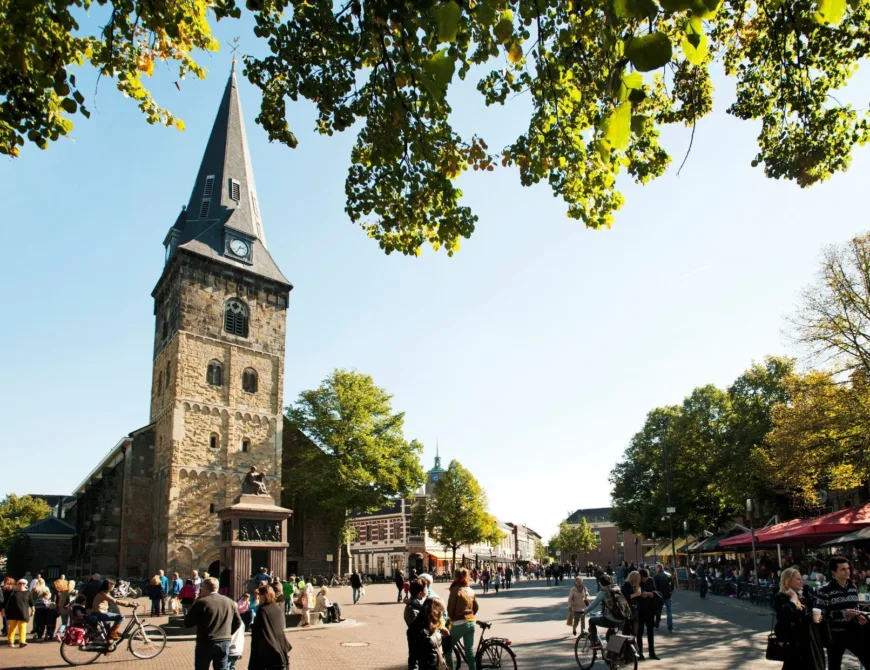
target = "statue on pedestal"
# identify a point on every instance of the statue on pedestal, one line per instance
(255, 483)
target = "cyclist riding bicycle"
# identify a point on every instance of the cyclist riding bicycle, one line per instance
(100, 609)
(615, 610)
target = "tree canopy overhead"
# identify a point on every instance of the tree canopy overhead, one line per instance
(603, 77)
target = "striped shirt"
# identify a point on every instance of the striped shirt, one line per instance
(834, 600)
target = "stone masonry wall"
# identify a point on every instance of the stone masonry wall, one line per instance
(137, 512)
(192, 475)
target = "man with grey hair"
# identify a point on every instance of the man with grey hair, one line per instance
(664, 585)
(216, 618)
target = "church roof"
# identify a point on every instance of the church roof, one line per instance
(224, 196)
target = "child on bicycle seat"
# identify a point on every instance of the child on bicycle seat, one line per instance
(79, 610)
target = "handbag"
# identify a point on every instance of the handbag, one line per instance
(777, 649)
(570, 620)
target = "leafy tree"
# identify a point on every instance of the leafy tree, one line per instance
(819, 440)
(17, 513)
(712, 441)
(455, 514)
(603, 78)
(368, 462)
(575, 539)
(541, 553)
(834, 318)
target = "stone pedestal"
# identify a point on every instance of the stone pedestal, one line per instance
(253, 535)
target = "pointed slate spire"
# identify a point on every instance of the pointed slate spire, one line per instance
(223, 203)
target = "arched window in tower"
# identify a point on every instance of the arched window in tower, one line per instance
(215, 374)
(246, 445)
(249, 380)
(236, 317)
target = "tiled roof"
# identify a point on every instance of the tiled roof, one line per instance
(49, 526)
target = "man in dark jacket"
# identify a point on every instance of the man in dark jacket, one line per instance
(92, 588)
(355, 586)
(838, 600)
(646, 613)
(216, 619)
(399, 580)
(664, 585)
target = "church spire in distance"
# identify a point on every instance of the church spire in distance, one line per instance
(222, 219)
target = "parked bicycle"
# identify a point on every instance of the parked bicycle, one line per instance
(623, 651)
(493, 652)
(124, 589)
(86, 639)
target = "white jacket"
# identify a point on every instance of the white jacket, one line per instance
(577, 598)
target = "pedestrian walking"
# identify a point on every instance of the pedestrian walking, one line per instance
(187, 595)
(288, 589)
(484, 579)
(648, 605)
(355, 586)
(424, 637)
(665, 585)
(794, 627)
(838, 600)
(507, 579)
(155, 594)
(164, 582)
(216, 619)
(578, 600)
(197, 583)
(496, 582)
(174, 592)
(399, 580)
(270, 649)
(701, 573)
(9, 587)
(19, 610)
(462, 608)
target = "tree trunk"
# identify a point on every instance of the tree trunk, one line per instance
(338, 559)
(453, 568)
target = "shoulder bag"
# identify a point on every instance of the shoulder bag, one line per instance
(777, 649)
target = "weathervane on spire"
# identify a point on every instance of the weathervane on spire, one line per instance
(234, 47)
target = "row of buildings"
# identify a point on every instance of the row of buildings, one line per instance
(386, 540)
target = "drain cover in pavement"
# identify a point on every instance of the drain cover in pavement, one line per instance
(354, 644)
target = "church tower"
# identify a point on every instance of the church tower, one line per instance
(220, 315)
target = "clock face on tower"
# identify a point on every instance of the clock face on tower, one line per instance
(239, 248)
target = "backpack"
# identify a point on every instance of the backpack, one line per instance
(617, 606)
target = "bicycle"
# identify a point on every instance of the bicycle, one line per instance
(493, 652)
(585, 655)
(84, 642)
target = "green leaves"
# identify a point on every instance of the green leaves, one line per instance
(628, 84)
(830, 11)
(649, 52)
(447, 18)
(706, 9)
(676, 5)
(617, 127)
(694, 45)
(439, 69)
(504, 29)
(634, 9)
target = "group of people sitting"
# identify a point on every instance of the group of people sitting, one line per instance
(296, 596)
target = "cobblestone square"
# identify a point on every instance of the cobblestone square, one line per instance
(715, 634)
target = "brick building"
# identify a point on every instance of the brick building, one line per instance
(615, 545)
(216, 404)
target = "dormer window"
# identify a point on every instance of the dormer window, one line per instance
(204, 207)
(235, 190)
(209, 185)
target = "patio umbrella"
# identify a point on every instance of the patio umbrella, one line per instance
(857, 536)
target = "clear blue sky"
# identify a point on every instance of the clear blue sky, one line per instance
(532, 356)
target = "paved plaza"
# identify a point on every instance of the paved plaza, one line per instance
(717, 633)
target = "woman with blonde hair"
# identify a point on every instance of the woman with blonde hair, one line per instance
(794, 619)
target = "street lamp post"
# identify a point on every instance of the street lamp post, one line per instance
(752, 535)
(671, 510)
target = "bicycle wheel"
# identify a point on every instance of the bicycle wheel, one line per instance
(457, 655)
(583, 652)
(147, 641)
(496, 654)
(77, 656)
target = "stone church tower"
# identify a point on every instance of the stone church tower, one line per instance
(218, 374)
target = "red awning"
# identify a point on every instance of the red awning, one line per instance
(836, 523)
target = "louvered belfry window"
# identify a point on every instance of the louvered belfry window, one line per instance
(209, 185)
(236, 317)
(235, 190)
(204, 207)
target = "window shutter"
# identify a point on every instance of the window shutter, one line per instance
(204, 207)
(209, 185)
(235, 190)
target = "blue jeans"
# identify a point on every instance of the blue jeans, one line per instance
(462, 630)
(355, 595)
(114, 618)
(667, 606)
(215, 654)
